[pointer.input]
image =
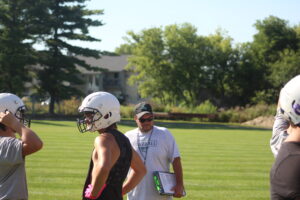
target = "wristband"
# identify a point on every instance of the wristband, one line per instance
(88, 192)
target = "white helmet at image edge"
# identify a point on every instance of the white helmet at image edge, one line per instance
(289, 100)
(12, 103)
(104, 109)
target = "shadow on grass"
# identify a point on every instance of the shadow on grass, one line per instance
(52, 123)
(191, 125)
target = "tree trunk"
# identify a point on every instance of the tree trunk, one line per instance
(51, 106)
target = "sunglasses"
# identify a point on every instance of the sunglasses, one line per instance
(144, 120)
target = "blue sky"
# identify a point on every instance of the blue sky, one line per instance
(237, 17)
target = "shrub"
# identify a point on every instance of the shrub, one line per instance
(127, 111)
(205, 108)
(242, 114)
(68, 107)
(65, 107)
(236, 114)
(35, 107)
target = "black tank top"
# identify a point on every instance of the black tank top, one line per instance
(285, 173)
(118, 173)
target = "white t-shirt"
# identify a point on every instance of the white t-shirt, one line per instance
(12, 170)
(157, 149)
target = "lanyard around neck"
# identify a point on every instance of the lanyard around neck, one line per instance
(147, 147)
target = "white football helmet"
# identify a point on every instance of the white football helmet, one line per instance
(12, 103)
(289, 100)
(100, 109)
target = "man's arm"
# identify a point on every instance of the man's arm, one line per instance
(137, 172)
(179, 188)
(103, 162)
(31, 142)
(280, 131)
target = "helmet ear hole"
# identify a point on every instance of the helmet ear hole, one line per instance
(108, 115)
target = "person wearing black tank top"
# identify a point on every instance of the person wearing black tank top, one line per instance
(285, 172)
(112, 155)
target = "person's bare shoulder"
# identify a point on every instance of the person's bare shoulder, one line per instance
(104, 139)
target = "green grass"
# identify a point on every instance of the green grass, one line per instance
(220, 161)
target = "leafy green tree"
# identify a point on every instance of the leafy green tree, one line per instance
(126, 48)
(165, 62)
(274, 35)
(148, 52)
(176, 66)
(66, 21)
(275, 43)
(221, 64)
(247, 78)
(285, 68)
(184, 53)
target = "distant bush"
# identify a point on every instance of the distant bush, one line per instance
(35, 107)
(178, 109)
(127, 112)
(205, 108)
(65, 107)
(68, 107)
(234, 115)
(242, 114)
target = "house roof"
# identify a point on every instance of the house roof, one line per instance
(111, 63)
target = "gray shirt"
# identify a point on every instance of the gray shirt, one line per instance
(13, 185)
(279, 134)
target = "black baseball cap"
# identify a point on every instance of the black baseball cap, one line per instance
(142, 109)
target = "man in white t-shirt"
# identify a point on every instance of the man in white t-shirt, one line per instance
(158, 150)
(13, 184)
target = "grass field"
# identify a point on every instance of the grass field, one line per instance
(220, 161)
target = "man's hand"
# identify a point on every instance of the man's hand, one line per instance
(178, 191)
(9, 120)
(88, 192)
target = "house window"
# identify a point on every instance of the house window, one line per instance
(90, 79)
(116, 75)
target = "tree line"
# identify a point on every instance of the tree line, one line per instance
(176, 66)
(173, 64)
(52, 26)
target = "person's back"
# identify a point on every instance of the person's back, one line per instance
(12, 174)
(118, 172)
(285, 173)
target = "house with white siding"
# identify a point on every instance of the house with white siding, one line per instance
(112, 78)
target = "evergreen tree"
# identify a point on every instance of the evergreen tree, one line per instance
(16, 39)
(66, 21)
